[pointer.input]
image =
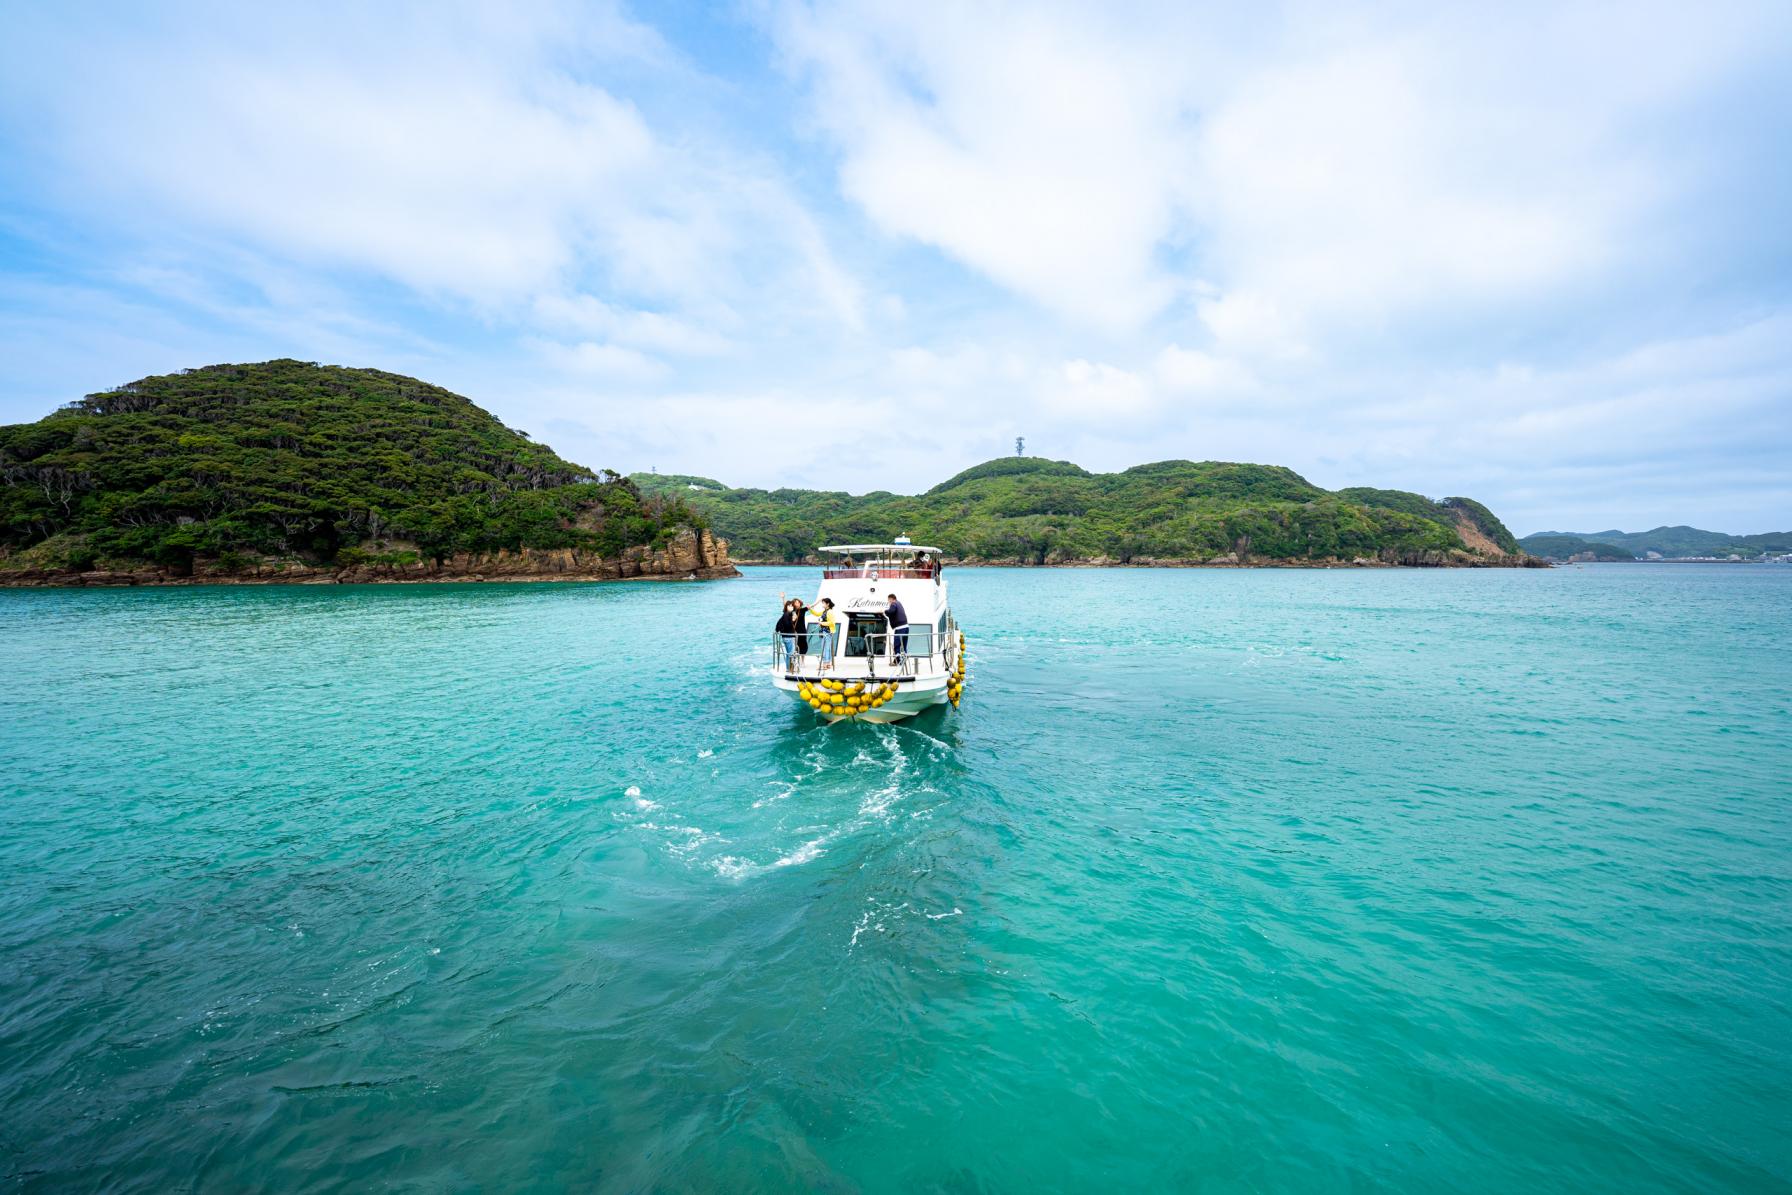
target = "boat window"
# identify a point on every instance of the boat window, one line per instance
(865, 634)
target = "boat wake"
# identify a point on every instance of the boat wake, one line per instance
(837, 789)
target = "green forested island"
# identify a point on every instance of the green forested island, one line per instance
(1670, 543)
(1035, 511)
(290, 470)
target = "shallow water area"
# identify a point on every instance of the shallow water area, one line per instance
(1219, 879)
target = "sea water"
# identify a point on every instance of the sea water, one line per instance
(1218, 881)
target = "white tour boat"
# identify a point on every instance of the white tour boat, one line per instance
(872, 673)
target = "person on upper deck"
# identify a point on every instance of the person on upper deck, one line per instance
(898, 628)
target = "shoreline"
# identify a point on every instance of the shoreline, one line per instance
(131, 581)
(1510, 562)
(690, 556)
(138, 581)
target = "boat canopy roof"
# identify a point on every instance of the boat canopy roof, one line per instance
(905, 546)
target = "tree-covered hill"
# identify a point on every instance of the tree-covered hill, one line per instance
(288, 459)
(1043, 511)
(1676, 541)
(1402, 500)
(1564, 547)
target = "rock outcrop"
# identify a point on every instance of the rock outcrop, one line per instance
(688, 556)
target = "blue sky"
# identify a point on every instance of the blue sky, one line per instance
(1540, 256)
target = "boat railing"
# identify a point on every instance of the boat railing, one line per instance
(875, 572)
(921, 643)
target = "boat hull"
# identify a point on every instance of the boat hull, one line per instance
(909, 700)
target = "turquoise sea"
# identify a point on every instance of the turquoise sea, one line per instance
(1219, 881)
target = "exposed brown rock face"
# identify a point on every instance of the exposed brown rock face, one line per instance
(1473, 538)
(690, 556)
(1483, 551)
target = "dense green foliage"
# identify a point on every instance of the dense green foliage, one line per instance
(1401, 500)
(1013, 466)
(1025, 508)
(1561, 547)
(1680, 541)
(287, 458)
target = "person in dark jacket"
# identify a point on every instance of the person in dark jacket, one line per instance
(898, 628)
(788, 621)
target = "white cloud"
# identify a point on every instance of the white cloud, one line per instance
(1019, 144)
(652, 330)
(1095, 392)
(1348, 171)
(592, 359)
(1251, 324)
(465, 153)
(1202, 373)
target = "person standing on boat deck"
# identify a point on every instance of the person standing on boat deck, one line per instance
(898, 628)
(830, 626)
(788, 619)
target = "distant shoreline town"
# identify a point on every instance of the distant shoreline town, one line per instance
(1663, 545)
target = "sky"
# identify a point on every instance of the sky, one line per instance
(1535, 254)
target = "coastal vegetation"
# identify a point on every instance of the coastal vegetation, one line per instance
(1038, 511)
(229, 465)
(1568, 547)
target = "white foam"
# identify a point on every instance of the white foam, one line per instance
(878, 803)
(803, 854)
(705, 754)
(877, 918)
(694, 831)
(730, 867)
(783, 792)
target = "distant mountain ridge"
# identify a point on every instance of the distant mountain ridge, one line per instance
(1031, 510)
(1671, 542)
(1571, 547)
